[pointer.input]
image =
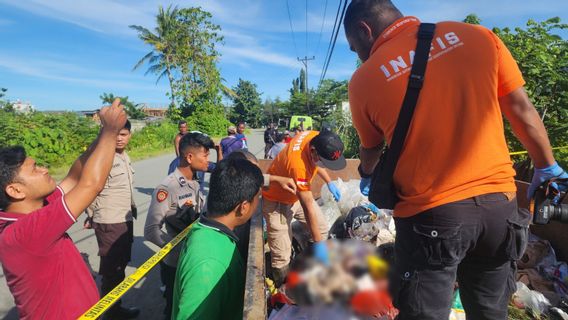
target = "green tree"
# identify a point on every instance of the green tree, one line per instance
(247, 104)
(199, 81)
(472, 19)
(542, 56)
(133, 110)
(5, 104)
(299, 84)
(162, 59)
(209, 118)
(272, 110)
(329, 97)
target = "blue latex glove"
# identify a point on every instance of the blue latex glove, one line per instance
(365, 185)
(373, 207)
(320, 252)
(334, 191)
(544, 174)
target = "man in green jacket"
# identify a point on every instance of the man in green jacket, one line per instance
(210, 277)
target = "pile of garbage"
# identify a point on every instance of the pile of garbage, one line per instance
(542, 281)
(354, 217)
(354, 285)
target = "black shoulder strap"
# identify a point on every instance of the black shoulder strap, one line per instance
(415, 81)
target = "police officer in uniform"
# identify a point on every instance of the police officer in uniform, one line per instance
(110, 215)
(176, 202)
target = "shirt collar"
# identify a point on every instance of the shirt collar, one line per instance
(9, 216)
(212, 224)
(394, 29)
(182, 180)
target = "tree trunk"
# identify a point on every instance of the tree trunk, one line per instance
(171, 79)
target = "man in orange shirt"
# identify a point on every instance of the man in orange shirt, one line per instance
(300, 161)
(457, 216)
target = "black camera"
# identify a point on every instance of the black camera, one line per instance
(547, 203)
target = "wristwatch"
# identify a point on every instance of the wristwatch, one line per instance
(363, 174)
(266, 178)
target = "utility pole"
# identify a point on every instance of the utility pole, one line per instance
(304, 61)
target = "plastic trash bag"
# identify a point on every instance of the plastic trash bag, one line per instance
(351, 196)
(526, 298)
(457, 314)
(330, 212)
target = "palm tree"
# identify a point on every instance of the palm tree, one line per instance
(161, 59)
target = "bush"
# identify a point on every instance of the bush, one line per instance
(343, 125)
(56, 140)
(209, 119)
(53, 140)
(153, 136)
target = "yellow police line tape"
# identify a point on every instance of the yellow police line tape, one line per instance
(524, 152)
(107, 301)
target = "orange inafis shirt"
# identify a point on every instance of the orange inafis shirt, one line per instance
(455, 148)
(293, 162)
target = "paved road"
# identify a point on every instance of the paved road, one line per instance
(146, 294)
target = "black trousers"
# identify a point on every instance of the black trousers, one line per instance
(267, 147)
(474, 241)
(168, 276)
(115, 248)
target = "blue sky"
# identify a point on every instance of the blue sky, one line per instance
(62, 54)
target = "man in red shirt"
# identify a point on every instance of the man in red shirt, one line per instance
(44, 270)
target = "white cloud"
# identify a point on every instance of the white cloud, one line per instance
(259, 55)
(59, 71)
(101, 16)
(114, 17)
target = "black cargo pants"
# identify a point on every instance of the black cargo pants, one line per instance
(474, 241)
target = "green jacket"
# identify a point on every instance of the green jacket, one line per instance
(210, 277)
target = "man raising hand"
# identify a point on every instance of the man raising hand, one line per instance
(44, 270)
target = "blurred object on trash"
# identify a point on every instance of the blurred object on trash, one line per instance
(355, 276)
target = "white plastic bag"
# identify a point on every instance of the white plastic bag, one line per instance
(535, 301)
(351, 196)
(330, 212)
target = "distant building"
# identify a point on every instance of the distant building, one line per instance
(92, 114)
(22, 107)
(154, 112)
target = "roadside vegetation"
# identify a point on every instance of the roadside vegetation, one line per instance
(55, 140)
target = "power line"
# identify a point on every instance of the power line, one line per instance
(332, 44)
(291, 28)
(330, 40)
(332, 33)
(306, 28)
(322, 24)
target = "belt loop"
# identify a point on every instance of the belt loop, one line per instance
(477, 200)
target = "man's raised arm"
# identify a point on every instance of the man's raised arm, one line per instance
(97, 166)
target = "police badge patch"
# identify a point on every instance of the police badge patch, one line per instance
(161, 195)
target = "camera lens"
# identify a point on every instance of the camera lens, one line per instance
(559, 212)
